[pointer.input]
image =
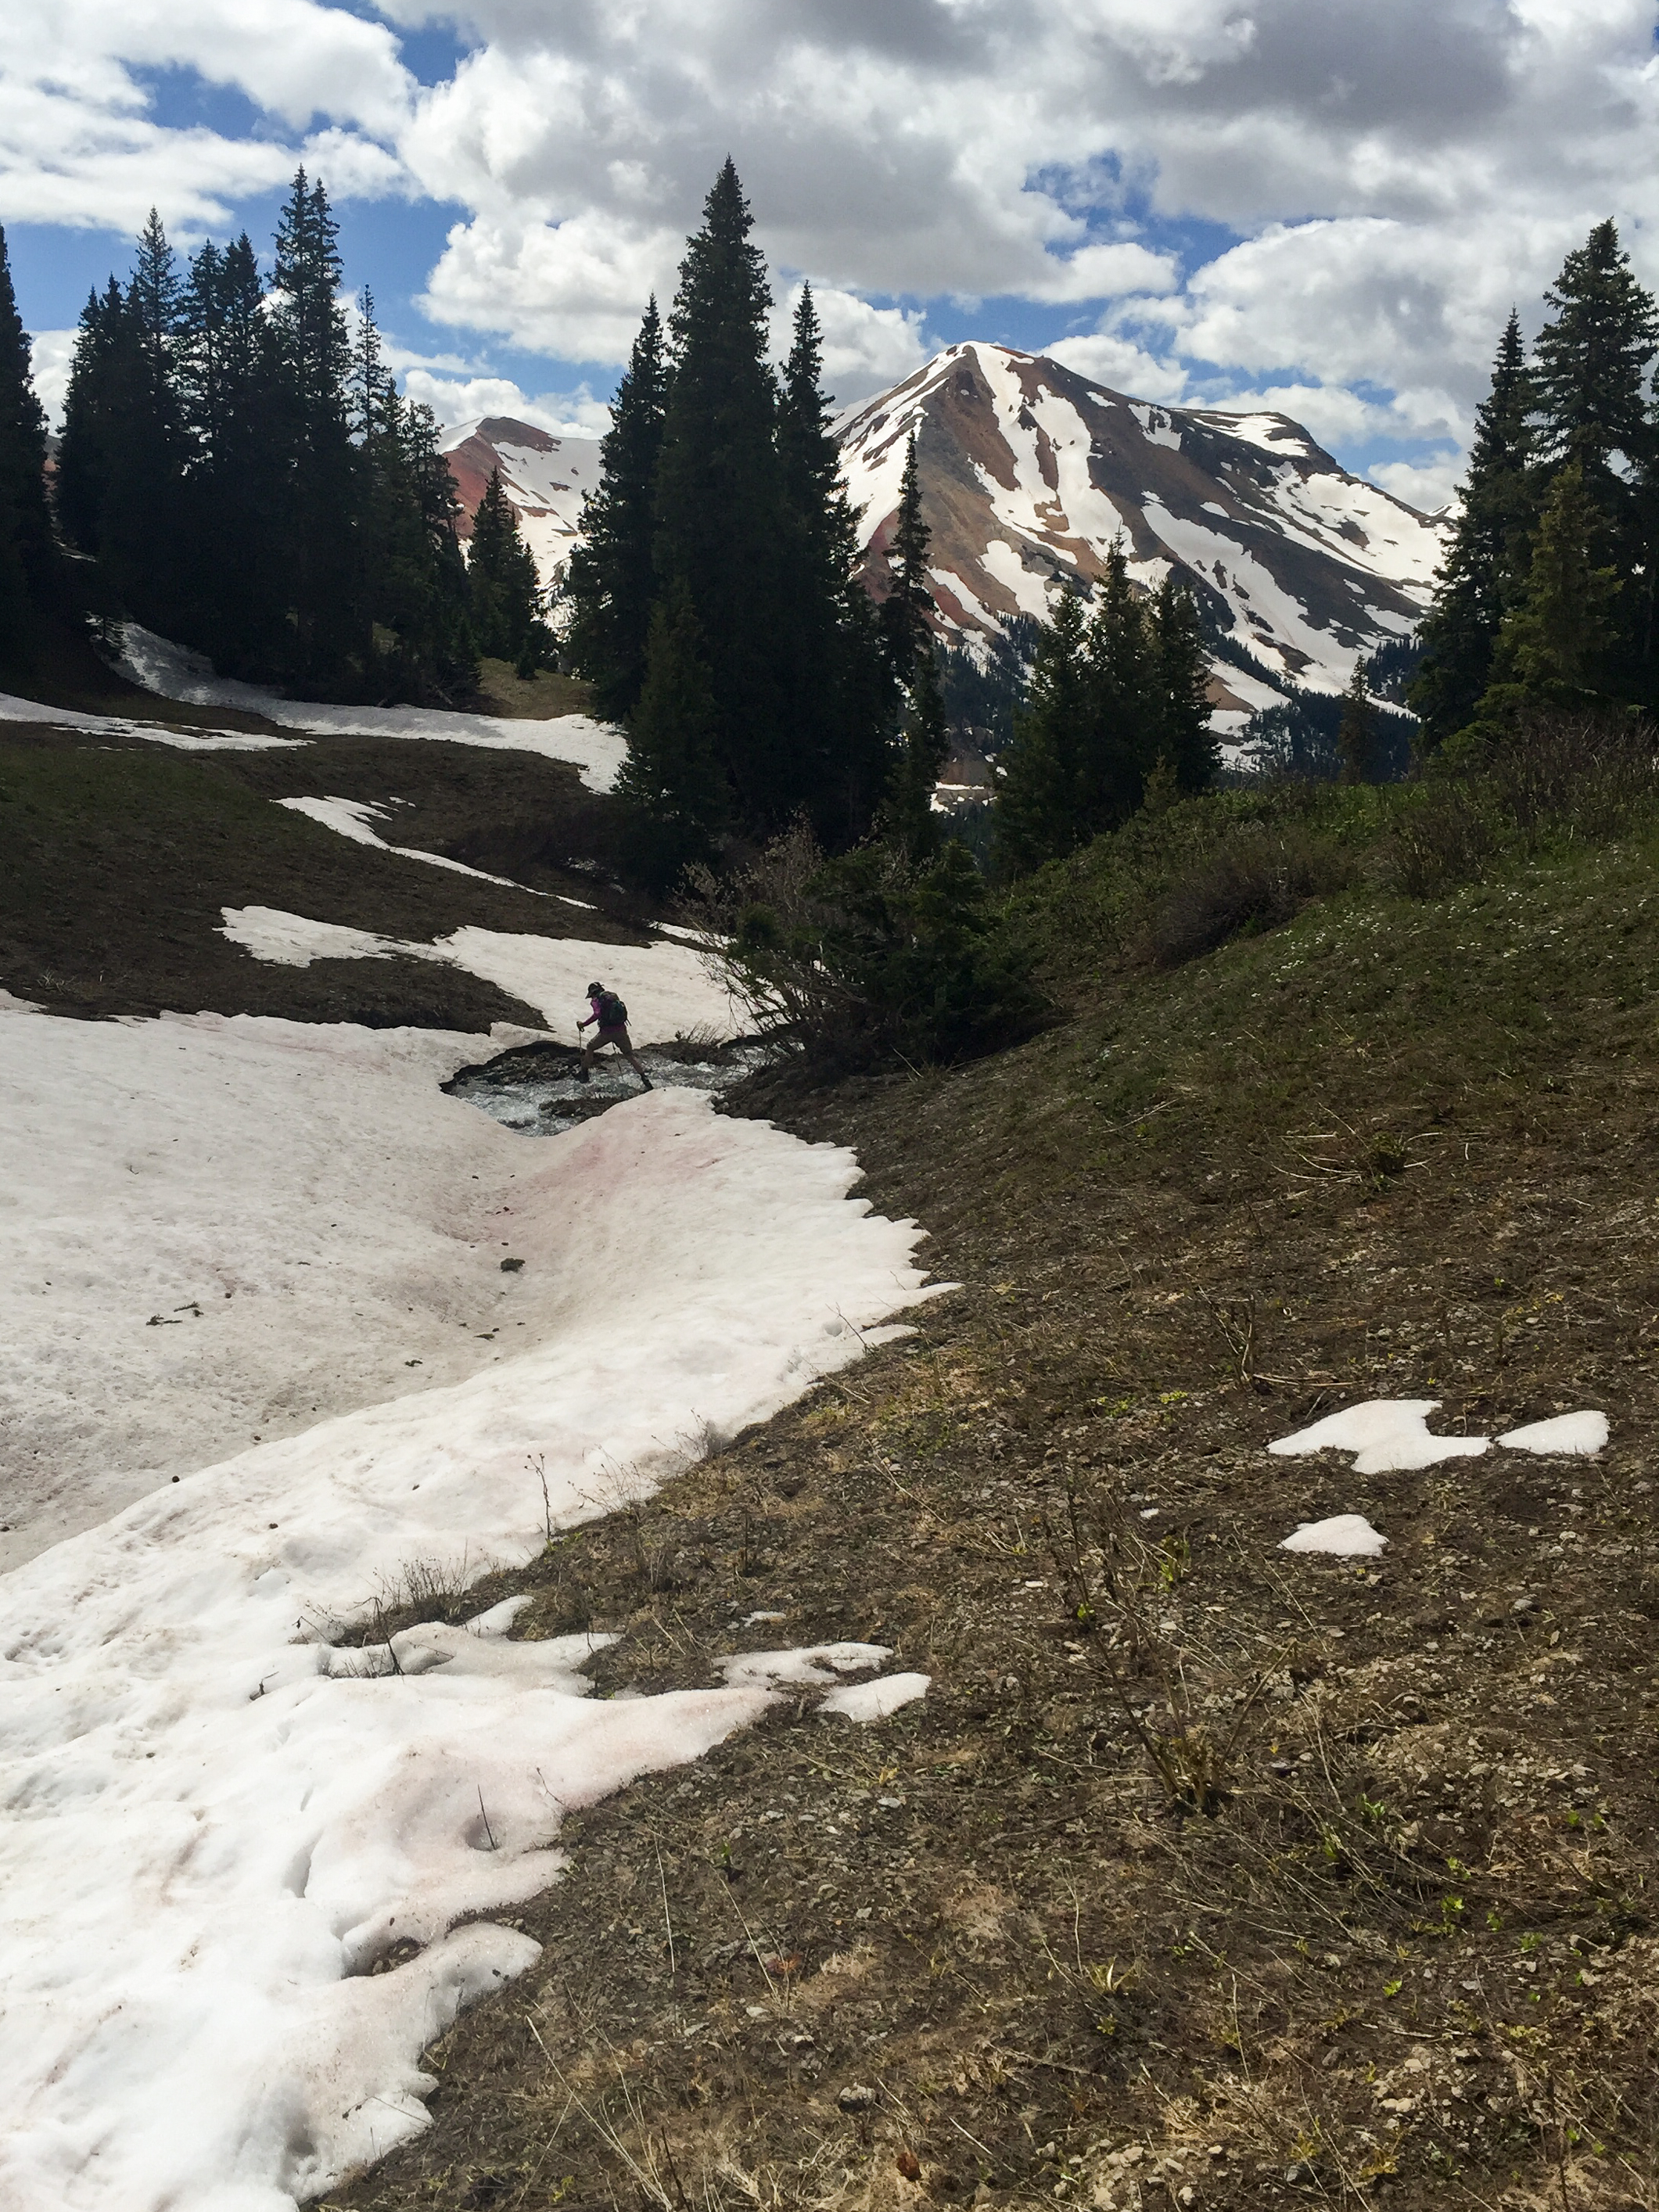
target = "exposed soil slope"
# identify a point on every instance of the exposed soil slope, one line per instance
(120, 857)
(1397, 1946)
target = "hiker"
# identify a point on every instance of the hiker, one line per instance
(608, 1021)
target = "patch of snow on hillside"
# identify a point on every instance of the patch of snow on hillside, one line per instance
(13, 710)
(1345, 1536)
(594, 749)
(221, 1821)
(353, 818)
(1002, 562)
(1386, 1435)
(874, 1701)
(1575, 1435)
(666, 986)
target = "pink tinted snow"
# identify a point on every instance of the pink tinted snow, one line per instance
(221, 1818)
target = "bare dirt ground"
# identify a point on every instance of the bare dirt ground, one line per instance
(1206, 1875)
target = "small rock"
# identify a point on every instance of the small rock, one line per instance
(1524, 1604)
(1298, 2171)
(910, 2166)
(511, 1266)
(856, 2098)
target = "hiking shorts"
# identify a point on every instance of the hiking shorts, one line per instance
(611, 1037)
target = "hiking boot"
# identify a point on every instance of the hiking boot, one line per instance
(583, 1075)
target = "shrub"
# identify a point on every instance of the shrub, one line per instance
(868, 955)
(1254, 880)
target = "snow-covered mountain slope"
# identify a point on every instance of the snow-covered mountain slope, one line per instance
(1029, 471)
(546, 478)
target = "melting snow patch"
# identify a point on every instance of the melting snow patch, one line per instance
(874, 1701)
(666, 986)
(808, 1667)
(593, 749)
(1345, 1535)
(1576, 1436)
(351, 818)
(118, 725)
(218, 1820)
(1386, 1435)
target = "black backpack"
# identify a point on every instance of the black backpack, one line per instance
(613, 1015)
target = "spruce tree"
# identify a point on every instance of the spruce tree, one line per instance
(612, 586)
(1485, 570)
(231, 421)
(85, 448)
(315, 354)
(1356, 736)
(1591, 366)
(720, 504)
(1036, 810)
(839, 700)
(506, 591)
(671, 784)
(924, 747)
(906, 628)
(1554, 648)
(1118, 740)
(1181, 732)
(24, 525)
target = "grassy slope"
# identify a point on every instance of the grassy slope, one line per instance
(119, 859)
(1393, 1149)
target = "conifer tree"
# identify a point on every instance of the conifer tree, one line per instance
(231, 422)
(905, 626)
(507, 592)
(25, 527)
(315, 354)
(124, 446)
(671, 783)
(1591, 363)
(93, 407)
(611, 585)
(924, 747)
(721, 509)
(1181, 732)
(1356, 733)
(1485, 570)
(1117, 742)
(1036, 815)
(1554, 647)
(839, 699)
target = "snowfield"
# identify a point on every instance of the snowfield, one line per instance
(217, 1821)
(667, 987)
(172, 672)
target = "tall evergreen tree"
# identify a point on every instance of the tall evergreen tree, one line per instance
(234, 478)
(1487, 566)
(1117, 742)
(611, 585)
(720, 510)
(924, 747)
(905, 626)
(671, 783)
(91, 409)
(1554, 648)
(24, 525)
(507, 592)
(1591, 361)
(1181, 735)
(839, 700)
(1036, 803)
(315, 353)
(1356, 736)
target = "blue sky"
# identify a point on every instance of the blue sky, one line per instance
(1303, 203)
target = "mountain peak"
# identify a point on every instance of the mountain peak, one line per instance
(1030, 471)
